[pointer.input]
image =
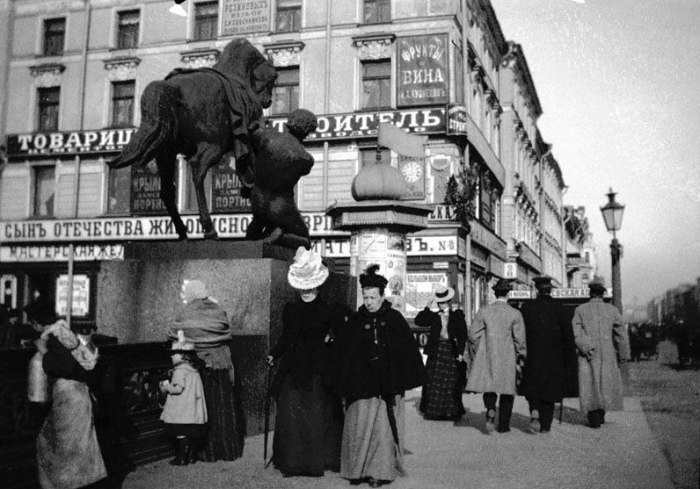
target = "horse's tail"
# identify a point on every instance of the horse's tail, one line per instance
(158, 125)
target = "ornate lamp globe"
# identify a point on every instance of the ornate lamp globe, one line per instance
(612, 213)
(378, 181)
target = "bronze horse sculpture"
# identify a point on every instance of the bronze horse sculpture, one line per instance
(205, 114)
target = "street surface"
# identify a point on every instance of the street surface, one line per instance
(658, 448)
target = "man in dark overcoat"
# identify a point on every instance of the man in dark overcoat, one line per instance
(551, 355)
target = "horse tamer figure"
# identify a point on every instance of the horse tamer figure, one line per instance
(205, 114)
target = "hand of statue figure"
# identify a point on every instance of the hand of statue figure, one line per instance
(270, 361)
(460, 358)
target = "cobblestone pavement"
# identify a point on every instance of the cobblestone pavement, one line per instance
(670, 398)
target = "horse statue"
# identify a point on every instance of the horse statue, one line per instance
(205, 114)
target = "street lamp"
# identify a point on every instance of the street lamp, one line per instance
(612, 215)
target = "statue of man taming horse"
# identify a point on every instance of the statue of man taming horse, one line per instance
(206, 114)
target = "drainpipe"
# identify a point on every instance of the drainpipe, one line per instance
(468, 250)
(76, 176)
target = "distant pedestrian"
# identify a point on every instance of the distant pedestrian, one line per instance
(498, 337)
(601, 340)
(442, 392)
(185, 411)
(550, 366)
(309, 423)
(205, 324)
(377, 361)
(68, 454)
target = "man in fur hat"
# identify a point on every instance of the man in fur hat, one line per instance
(601, 340)
(498, 336)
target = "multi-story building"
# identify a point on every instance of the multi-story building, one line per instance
(73, 73)
(581, 258)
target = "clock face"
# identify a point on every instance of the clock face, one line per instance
(412, 171)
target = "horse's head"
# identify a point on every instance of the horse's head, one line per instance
(243, 59)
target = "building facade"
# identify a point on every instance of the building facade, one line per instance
(73, 73)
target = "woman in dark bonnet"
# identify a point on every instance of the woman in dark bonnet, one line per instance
(205, 324)
(377, 361)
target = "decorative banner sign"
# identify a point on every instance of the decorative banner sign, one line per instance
(423, 70)
(145, 190)
(244, 17)
(365, 124)
(432, 245)
(68, 143)
(226, 188)
(81, 295)
(59, 252)
(457, 120)
(142, 228)
(413, 170)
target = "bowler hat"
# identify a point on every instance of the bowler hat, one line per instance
(42, 311)
(502, 285)
(597, 284)
(542, 280)
(443, 293)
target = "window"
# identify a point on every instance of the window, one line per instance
(376, 84)
(44, 188)
(128, 29)
(48, 109)
(369, 156)
(285, 94)
(288, 15)
(123, 104)
(119, 193)
(54, 35)
(206, 19)
(377, 11)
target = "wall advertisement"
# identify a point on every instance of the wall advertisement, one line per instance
(419, 290)
(81, 295)
(422, 70)
(244, 17)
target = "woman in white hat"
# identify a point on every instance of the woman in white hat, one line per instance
(442, 391)
(309, 423)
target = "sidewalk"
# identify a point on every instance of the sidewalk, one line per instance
(622, 454)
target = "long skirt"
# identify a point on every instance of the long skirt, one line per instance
(226, 422)
(442, 393)
(369, 448)
(68, 455)
(308, 429)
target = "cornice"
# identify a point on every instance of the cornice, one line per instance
(47, 74)
(285, 53)
(121, 68)
(375, 45)
(198, 58)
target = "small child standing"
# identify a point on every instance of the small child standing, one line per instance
(185, 412)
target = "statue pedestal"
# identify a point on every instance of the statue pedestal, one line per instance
(139, 299)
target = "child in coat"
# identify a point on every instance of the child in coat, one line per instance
(185, 411)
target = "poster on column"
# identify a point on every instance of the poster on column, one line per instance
(395, 271)
(419, 290)
(81, 295)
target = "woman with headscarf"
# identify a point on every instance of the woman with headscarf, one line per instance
(205, 324)
(378, 360)
(68, 454)
(309, 422)
(442, 393)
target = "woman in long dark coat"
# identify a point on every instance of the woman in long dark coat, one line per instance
(309, 422)
(442, 392)
(377, 361)
(205, 324)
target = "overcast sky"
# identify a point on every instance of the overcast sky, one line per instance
(619, 84)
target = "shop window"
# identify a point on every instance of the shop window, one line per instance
(128, 29)
(377, 11)
(49, 99)
(123, 103)
(206, 20)
(44, 191)
(119, 192)
(54, 36)
(376, 84)
(288, 15)
(285, 95)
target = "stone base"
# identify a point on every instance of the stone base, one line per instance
(139, 299)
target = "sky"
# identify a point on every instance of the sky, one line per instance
(619, 85)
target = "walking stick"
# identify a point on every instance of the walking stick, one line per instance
(561, 409)
(267, 415)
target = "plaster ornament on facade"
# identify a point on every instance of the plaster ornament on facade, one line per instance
(374, 47)
(122, 68)
(200, 59)
(284, 55)
(47, 75)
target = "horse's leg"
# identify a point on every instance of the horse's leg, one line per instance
(206, 157)
(167, 166)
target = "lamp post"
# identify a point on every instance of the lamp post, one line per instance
(612, 215)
